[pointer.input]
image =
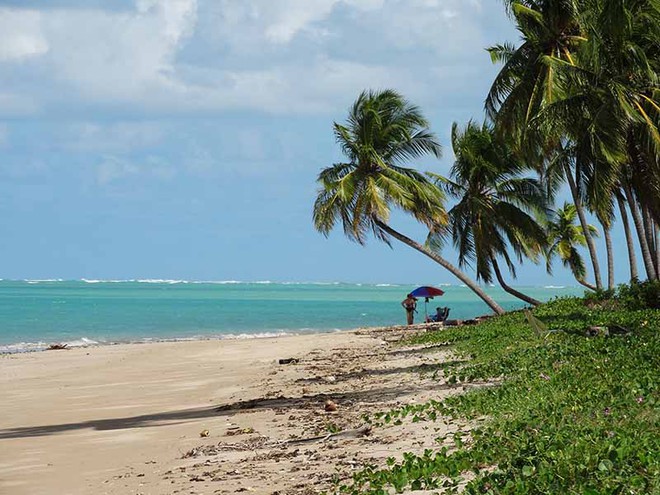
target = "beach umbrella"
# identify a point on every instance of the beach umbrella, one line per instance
(427, 292)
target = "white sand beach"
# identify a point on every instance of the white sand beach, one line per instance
(124, 419)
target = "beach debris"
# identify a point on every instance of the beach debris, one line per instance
(289, 361)
(330, 406)
(57, 347)
(540, 328)
(330, 379)
(239, 431)
(363, 431)
(254, 443)
(204, 433)
(606, 331)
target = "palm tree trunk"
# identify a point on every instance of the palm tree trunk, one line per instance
(649, 229)
(585, 227)
(445, 264)
(641, 236)
(632, 257)
(610, 256)
(511, 290)
(657, 245)
(586, 284)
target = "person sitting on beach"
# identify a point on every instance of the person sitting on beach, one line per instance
(441, 314)
(410, 304)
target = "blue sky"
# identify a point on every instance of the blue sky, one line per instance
(181, 139)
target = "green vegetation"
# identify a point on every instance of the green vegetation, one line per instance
(575, 105)
(573, 410)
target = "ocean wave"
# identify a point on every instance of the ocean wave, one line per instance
(217, 282)
(246, 336)
(554, 286)
(198, 282)
(21, 347)
(160, 281)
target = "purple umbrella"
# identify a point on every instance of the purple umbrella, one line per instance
(427, 292)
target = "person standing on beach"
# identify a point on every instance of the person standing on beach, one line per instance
(410, 304)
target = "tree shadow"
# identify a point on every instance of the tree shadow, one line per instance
(421, 350)
(313, 401)
(419, 368)
(183, 415)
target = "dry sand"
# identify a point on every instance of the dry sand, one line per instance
(129, 419)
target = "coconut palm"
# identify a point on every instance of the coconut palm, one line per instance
(530, 80)
(632, 257)
(383, 131)
(526, 82)
(564, 238)
(609, 112)
(496, 207)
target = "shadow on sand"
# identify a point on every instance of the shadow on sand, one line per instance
(183, 415)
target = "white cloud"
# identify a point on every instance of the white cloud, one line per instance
(316, 87)
(208, 56)
(20, 35)
(118, 137)
(123, 56)
(114, 168)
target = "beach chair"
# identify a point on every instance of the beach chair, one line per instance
(441, 315)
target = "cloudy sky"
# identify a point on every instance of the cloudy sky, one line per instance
(182, 138)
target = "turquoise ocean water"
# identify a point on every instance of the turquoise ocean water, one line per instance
(36, 313)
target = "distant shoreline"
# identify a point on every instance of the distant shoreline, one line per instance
(36, 314)
(77, 344)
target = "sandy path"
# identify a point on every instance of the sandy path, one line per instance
(125, 419)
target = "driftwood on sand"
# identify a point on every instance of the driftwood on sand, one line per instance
(363, 431)
(57, 347)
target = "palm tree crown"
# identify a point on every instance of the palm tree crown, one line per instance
(382, 131)
(497, 204)
(564, 237)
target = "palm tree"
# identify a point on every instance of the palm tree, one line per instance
(564, 237)
(496, 205)
(529, 81)
(632, 257)
(610, 109)
(526, 82)
(382, 131)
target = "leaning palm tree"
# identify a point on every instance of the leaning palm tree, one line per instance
(564, 237)
(497, 205)
(384, 130)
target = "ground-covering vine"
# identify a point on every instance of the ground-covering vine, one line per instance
(575, 410)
